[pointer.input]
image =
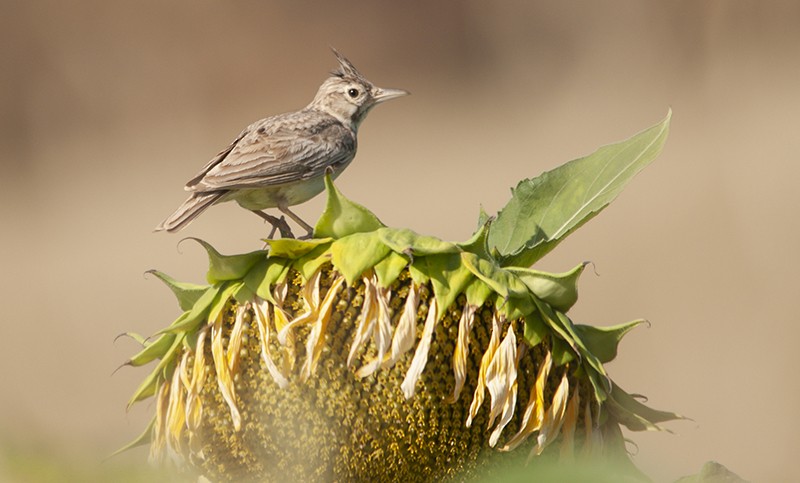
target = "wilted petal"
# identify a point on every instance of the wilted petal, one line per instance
(477, 398)
(501, 374)
(309, 315)
(533, 417)
(224, 377)
(421, 354)
(311, 291)
(316, 339)
(570, 422)
(235, 337)
(279, 294)
(406, 332)
(509, 398)
(593, 444)
(366, 321)
(176, 413)
(160, 428)
(261, 311)
(382, 331)
(193, 405)
(183, 370)
(553, 417)
(462, 350)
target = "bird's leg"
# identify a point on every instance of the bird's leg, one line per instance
(279, 224)
(299, 221)
(283, 224)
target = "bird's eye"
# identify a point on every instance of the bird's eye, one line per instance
(352, 92)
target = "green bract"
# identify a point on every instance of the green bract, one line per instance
(397, 289)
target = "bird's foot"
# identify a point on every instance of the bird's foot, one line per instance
(278, 224)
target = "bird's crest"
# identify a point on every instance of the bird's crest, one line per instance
(346, 68)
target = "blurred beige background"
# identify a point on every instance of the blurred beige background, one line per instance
(107, 108)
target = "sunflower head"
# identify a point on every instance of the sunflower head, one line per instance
(375, 353)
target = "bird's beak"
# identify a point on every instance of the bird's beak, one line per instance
(381, 95)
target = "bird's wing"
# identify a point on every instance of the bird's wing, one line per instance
(279, 150)
(216, 160)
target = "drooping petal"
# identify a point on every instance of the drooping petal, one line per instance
(508, 388)
(316, 339)
(279, 293)
(480, 389)
(366, 321)
(593, 443)
(235, 337)
(567, 449)
(421, 354)
(307, 316)
(176, 412)
(501, 373)
(194, 408)
(533, 417)
(183, 370)
(382, 331)
(224, 376)
(261, 311)
(160, 428)
(311, 291)
(406, 332)
(461, 352)
(553, 417)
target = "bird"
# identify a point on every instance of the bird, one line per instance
(281, 161)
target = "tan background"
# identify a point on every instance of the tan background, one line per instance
(108, 109)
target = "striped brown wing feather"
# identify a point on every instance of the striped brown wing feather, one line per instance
(279, 150)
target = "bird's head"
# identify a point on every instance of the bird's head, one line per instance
(348, 95)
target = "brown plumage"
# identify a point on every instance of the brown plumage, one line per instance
(281, 161)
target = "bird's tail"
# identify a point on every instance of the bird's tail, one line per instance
(189, 210)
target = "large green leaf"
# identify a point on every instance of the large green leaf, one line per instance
(544, 210)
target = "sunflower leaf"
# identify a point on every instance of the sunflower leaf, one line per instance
(292, 248)
(603, 341)
(535, 329)
(260, 279)
(141, 440)
(343, 217)
(390, 268)
(152, 351)
(148, 387)
(186, 293)
(545, 209)
(309, 263)
(194, 316)
(501, 281)
(228, 267)
(477, 292)
(354, 254)
(478, 244)
(560, 290)
(635, 415)
(449, 278)
(405, 241)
